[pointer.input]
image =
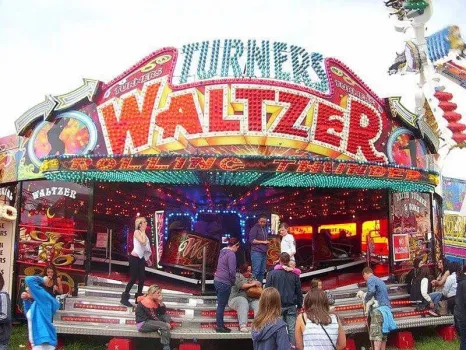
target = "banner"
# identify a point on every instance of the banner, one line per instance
(7, 245)
(401, 251)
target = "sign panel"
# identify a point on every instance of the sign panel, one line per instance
(7, 245)
(401, 251)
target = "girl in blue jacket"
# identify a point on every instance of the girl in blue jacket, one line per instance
(39, 308)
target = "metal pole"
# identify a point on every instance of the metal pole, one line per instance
(391, 261)
(110, 233)
(90, 236)
(204, 254)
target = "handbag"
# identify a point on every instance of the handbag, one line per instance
(254, 292)
(443, 307)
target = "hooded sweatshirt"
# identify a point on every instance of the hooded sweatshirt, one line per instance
(5, 318)
(226, 267)
(460, 299)
(273, 336)
(41, 311)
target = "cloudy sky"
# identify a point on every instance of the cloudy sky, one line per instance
(48, 46)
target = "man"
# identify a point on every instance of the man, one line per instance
(381, 317)
(259, 245)
(288, 285)
(288, 244)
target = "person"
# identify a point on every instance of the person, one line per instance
(224, 278)
(417, 264)
(239, 300)
(140, 254)
(448, 291)
(382, 321)
(316, 328)
(288, 285)
(5, 316)
(460, 308)
(258, 239)
(317, 284)
(268, 329)
(53, 286)
(421, 290)
(288, 243)
(39, 308)
(151, 315)
(443, 273)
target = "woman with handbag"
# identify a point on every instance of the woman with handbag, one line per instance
(244, 296)
(268, 329)
(316, 328)
(137, 260)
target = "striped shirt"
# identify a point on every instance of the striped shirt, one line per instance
(314, 336)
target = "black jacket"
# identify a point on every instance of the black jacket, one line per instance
(144, 313)
(460, 300)
(5, 317)
(288, 285)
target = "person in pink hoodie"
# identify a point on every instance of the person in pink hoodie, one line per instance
(291, 267)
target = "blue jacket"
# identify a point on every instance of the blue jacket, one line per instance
(273, 336)
(389, 323)
(378, 289)
(42, 308)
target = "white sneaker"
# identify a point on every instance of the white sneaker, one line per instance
(244, 329)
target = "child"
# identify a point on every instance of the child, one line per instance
(317, 284)
(39, 308)
(268, 329)
(151, 315)
(291, 267)
(5, 316)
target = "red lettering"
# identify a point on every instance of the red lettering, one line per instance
(125, 164)
(309, 166)
(327, 168)
(377, 171)
(329, 125)
(255, 109)
(340, 168)
(201, 163)
(283, 164)
(106, 163)
(364, 130)
(181, 112)
(179, 163)
(80, 163)
(217, 113)
(132, 122)
(413, 175)
(153, 163)
(287, 123)
(231, 164)
(355, 169)
(396, 173)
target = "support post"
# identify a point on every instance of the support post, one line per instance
(90, 232)
(204, 255)
(110, 239)
(390, 234)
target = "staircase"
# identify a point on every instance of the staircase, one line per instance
(97, 311)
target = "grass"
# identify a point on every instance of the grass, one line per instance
(425, 339)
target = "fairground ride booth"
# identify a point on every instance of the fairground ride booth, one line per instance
(201, 141)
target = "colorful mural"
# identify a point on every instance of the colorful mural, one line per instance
(454, 221)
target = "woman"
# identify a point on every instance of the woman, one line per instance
(5, 316)
(268, 329)
(460, 308)
(316, 328)
(140, 254)
(239, 300)
(53, 285)
(417, 264)
(443, 273)
(224, 278)
(421, 290)
(151, 315)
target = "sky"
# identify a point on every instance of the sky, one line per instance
(48, 46)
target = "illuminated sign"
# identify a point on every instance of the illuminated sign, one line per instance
(209, 163)
(300, 230)
(54, 191)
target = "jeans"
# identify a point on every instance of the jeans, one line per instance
(158, 326)
(223, 293)
(137, 271)
(289, 314)
(460, 325)
(258, 261)
(3, 346)
(436, 297)
(242, 307)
